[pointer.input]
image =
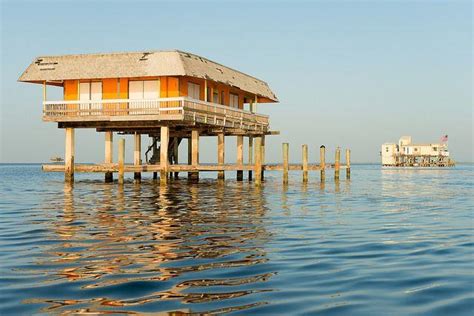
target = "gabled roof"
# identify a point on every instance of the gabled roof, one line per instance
(140, 64)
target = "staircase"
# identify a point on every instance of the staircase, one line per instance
(155, 149)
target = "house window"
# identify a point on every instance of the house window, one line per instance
(386, 149)
(435, 148)
(90, 90)
(234, 100)
(194, 91)
(416, 149)
(208, 94)
(144, 89)
(215, 97)
(222, 97)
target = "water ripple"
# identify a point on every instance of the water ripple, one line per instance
(386, 242)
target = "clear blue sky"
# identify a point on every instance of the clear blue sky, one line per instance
(350, 74)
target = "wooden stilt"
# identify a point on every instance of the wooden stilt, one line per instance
(263, 156)
(194, 153)
(251, 109)
(137, 161)
(348, 164)
(337, 163)
(154, 154)
(109, 154)
(44, 91)
(258, 160)
(305, 163)
(164, 140)
(176, 154)
(322, 161)
(190, 155)
(69, 155)
(220, 153)
(285, 162)
(250, 156)
(121, 160)
(240, 157)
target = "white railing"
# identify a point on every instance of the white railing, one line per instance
(178, 108)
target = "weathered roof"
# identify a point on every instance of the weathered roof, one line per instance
(140, 64)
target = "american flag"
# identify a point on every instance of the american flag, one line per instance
(444, 138)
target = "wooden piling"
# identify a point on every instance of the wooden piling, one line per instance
(137, 155)
(176, 154)
(258, 160)
(69, 155)
(109, 154)
(322, 161)
(164, 140)
(194, 153)
(305, 163)
(250, 162)
(285, 162)
(263, 155)
(348, 164)
(121, 160)
(220, 153)
(337, 163)
(240, 157)
(154, 154)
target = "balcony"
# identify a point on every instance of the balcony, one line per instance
(179, 109)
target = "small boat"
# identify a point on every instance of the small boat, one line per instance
(56, 159)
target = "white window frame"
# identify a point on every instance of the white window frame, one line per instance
(141, 93)
(194, 91)
(94, 92)
(234, 100)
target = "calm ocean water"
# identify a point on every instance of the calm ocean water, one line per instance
(388, 242)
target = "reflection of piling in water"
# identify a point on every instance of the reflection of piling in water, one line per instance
(146, 233)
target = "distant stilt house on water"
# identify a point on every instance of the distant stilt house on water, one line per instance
(169, 96)
(408, 154)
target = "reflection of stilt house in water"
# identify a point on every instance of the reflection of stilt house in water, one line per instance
(168, 95)
(407, 154)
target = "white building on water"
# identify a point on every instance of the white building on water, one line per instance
(408, 154)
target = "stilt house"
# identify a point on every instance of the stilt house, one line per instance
(167, 95)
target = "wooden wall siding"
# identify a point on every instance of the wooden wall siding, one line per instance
(109, 89)
(169, 87)
(123, 94)
(71, 90)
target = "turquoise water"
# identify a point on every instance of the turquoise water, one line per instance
(387, 242)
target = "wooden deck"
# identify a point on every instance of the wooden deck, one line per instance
(102, 168)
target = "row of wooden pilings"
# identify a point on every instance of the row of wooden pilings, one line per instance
(259, 169)
(322, 164)
(256, 163)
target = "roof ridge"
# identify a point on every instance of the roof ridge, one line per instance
(114, 53)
